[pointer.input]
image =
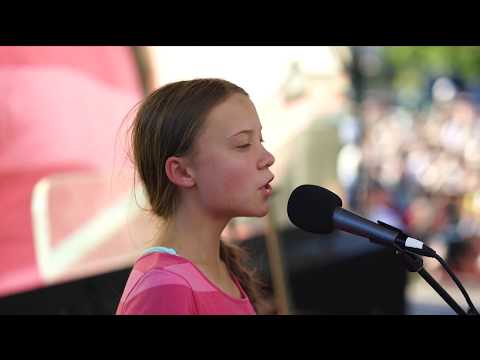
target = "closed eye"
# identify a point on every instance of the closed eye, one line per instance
(247, 145)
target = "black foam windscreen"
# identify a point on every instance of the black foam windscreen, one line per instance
(311, 208)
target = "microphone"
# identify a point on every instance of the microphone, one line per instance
(318, 210)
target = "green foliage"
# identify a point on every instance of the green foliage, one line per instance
(413, 63)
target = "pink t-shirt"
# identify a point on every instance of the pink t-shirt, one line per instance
(167, 284)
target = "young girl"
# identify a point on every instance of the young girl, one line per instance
(197, 147)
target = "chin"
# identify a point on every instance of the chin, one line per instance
(251, 210)
(251, 213)
(260, 212)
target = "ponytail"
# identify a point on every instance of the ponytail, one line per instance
(235, 259)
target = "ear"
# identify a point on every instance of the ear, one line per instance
(178, 172)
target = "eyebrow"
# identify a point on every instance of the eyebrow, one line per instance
(246, 131)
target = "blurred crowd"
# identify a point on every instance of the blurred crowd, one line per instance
(419, 169)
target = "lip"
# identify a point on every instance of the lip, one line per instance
(266, 189)
(267, 183)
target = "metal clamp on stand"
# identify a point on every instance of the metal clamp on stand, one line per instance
(414, 263)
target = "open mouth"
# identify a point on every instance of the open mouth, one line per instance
(266, 190)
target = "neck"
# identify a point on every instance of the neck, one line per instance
(195, 235)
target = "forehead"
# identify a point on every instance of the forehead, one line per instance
(234, 114)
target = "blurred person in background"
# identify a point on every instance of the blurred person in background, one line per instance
(379, 205)
(428, 170)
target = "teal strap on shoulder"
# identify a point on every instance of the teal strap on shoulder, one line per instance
(160, 249)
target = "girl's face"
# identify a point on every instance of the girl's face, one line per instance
(230, 164)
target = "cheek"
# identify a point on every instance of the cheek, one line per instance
(229, 186)
(223, 176)
(234, 177)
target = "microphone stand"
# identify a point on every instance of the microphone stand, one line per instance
(414, 263)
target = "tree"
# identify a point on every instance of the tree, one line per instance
(414, 64)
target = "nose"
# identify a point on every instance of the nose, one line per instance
(267, 159)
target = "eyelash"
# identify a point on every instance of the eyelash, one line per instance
(247, 145)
